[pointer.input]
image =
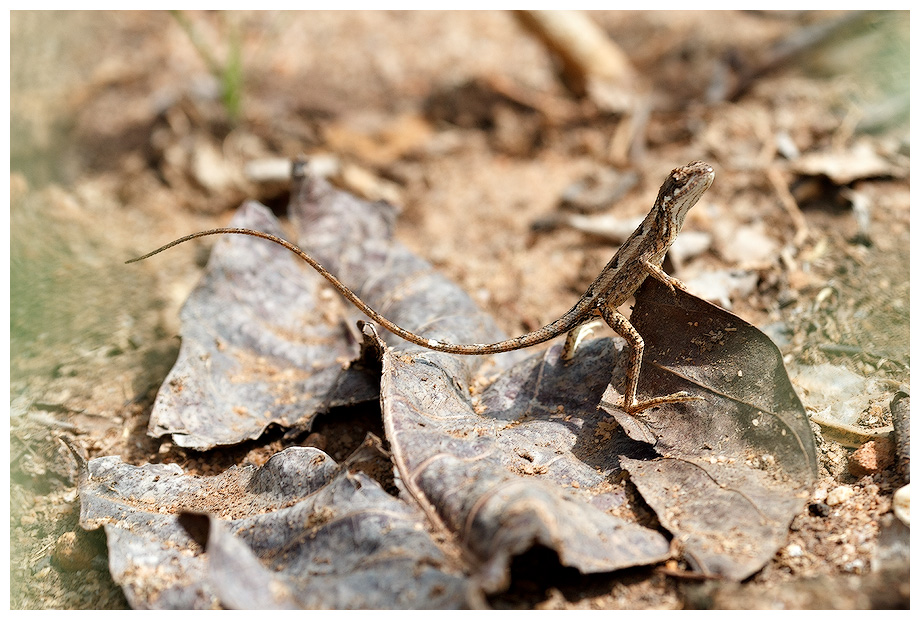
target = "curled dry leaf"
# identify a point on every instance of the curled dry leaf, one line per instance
(900, 415)
(736, 466)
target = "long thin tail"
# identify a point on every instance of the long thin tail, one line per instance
(568, 321)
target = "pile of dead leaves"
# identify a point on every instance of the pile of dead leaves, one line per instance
(490, 457)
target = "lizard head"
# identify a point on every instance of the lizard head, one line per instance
(683, 189)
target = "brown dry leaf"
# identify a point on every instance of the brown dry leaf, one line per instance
(862, 161)
(593, 65)
(378, 140)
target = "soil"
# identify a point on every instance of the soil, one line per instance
(121, 141)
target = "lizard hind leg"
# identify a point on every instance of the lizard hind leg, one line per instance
(575, 336)
(621, 325)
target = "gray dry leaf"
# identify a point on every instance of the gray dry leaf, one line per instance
(299, 532)
(258, 346)
(527, 469)
(529, 462)
(735, 467)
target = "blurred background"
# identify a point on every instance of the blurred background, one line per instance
(519, 147)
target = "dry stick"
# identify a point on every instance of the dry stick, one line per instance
(795, 44)
(596, 68)
(787, 200)
(592, 62)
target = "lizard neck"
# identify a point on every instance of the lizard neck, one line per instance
(667, 224)
(671, 209)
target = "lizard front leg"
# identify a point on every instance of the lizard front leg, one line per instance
(659, 274)
(636, 346)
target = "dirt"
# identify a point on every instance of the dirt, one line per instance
(120, 142)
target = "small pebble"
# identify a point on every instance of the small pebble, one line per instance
(871, 458)
(839, 495)
(794, 551)
(855, 566)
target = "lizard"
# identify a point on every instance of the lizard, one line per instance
(640, 256)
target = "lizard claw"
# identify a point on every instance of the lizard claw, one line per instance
(675, 283)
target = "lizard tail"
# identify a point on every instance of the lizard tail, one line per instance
(568, 321)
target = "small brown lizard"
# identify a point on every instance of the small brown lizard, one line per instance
(639, 257)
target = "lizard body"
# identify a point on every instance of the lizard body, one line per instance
(640, 256)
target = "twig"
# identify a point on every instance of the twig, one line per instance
(847, 434)
(794, 45)
(593, 65)
(787, 200)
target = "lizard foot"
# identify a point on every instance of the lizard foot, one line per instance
(673, 283)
